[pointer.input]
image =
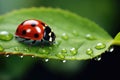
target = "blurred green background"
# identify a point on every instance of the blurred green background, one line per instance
(103, 12)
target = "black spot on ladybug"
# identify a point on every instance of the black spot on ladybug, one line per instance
(43, 24)
(36, 35)
(23, 32)
(33, 24)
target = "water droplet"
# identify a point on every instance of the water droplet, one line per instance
(64, 50)
(16, 49)
(6, 36)
(73, 51)
(111, 49)
(100, 46)
(26, 50)
(89, 51)
(98, 58)
(33, 56)
(65, 36)
(60, 55)
(64, 61)
(46, 60)
(45, 51)
(90, 37)
(7, 55)
(75, 33)
(21, 56)
(1, 48)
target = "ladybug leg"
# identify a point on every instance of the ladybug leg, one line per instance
(33, 42)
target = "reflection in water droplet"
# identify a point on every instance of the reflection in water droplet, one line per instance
(46, 60)
(75, 33)
(89, 51)
(60, 55)
(6, 36)
(64, 50)
(1, 48)
(98, 58)
(65, 36)
(90, 37)
(100, 46)
(64, 61)
(73, 51)
(16, 49)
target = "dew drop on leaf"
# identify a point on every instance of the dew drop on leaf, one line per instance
(75, 33)
(33, 56)
(89, 37)
(73, 51)
(60, 55)
(45, 51)
(111, 49)
(21, 56)
(65, 36)
(64, 61)
(7, 55)
(26, 50)
(89, 51)
(5, 36)
(1, 48)
(98, 58)
(64, 50)
(46, 60)
(100, 46)
(16, 49)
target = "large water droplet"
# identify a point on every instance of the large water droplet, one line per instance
(6, 36)
(100, 46)
(89, 51)
(1, 48)
(64, 50)
(90, 37)
(60, 55)
(65, 36)
(98, 58)
(73, 51)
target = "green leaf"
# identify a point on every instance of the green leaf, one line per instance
(77, 38)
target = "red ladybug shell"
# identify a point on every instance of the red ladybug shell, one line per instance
(31, 29)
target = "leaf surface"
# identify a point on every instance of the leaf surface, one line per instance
(77, 38)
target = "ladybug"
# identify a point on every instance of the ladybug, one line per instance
(34, 32)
